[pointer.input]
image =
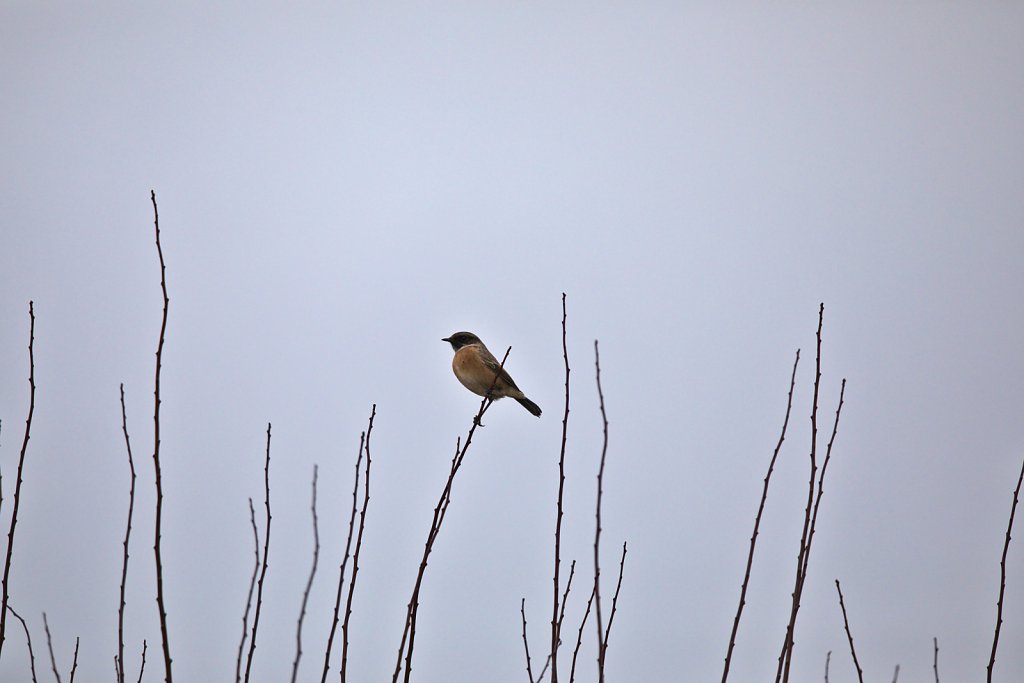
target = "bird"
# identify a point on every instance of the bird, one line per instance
(476, 368)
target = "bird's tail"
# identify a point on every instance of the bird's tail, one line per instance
(529, 405)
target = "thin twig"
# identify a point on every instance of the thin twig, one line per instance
(757, 522)
(309, 582)
(785, 656)
(252, 587)
(49, 645)
(344, 562)
(615, 598)
(556, 637)
(597, 521)
(28, 639)
(161, 608)
(21, 467)
(526, 643)
(849, 636)
(142, 667)
(440, 510)
(935, 659)
(896, 674)
(263, 568)
(127, 536)
(355, 554)
(1002, 575)
(828, 660)
(579, 637)
(74, 664)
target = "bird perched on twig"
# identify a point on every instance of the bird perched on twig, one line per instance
(476, 368)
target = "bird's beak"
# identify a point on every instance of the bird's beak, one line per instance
(447, 339)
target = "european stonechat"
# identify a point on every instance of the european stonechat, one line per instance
(476, 368)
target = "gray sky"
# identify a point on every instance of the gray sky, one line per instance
(340, 187)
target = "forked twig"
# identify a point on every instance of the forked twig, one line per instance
(849, 636)
(127, 537)
(556, 636)
(248, 599)
(21, 467)
(406, 646)
(757, 523)
(263, 568)
(309, 582)
(1002, 576)
(161, 608)
(355, 554)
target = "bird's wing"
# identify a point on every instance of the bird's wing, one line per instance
(495, 366)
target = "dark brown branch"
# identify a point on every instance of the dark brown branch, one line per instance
(248, 598)
(935, 659)
(615, 598)
(309, 583)
(263, 568)
(1002, 576)
(28, 640)
(344, 561)
(579, 637)
(142, 667)
(49, 645)
(821, 480)
(355, 554)
(526, 643)
(74, 664)
(127, 536)
(849, 636)
(556, 636)
(597, 521)
(21, 468)
(161, 608)
(440, 510)
(785, 656)
(757, 522)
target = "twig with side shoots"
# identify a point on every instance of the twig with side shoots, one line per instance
(1002, 576)
(127, 537)
(597, 522)
(263, 567)
(309, 583)
(359, 545)
(849, 636)
(21, 468)
(405, 648)
(248, 599)
(556, 636)
(757, 523)
(161, 607)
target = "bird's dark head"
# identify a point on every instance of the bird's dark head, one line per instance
(460, 339)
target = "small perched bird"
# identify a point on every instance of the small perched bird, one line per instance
(476, 368)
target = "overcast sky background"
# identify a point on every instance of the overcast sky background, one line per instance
(340, 186)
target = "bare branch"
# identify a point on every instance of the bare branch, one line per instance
(440, 510)
(1002, 575)
(757, 522)
(828, 660)
(74, 664)
(556, 636)
(252, 587)
(49, 645)
(28, 639)
(355, 555)
(161, 608)
(263, 568)
(526, 643)
(615, 598)
(597, 521)
(127, 537)
(344, 561)
(896, 674)
(21, 467)
(309, 582)
(849, 636)
(142, 667)
(935, 659)
(579, 637)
